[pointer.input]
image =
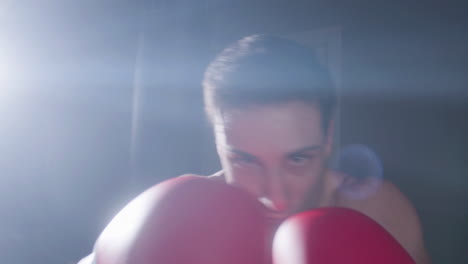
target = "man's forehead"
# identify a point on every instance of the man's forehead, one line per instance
(309, 148)
(290, 111)
(280, 128)
(258, 143)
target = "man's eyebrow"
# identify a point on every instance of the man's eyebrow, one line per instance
(305, 149)
(240, 152)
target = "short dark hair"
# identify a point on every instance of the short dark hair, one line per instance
(264, 69)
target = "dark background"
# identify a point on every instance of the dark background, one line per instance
(102, 99)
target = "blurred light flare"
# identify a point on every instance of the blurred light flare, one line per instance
(361, 164)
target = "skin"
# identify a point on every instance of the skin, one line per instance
(278, 153)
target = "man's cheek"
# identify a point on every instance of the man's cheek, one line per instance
(306, 174)
(307, 185)
(247, 180)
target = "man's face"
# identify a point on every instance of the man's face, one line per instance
(275, 152)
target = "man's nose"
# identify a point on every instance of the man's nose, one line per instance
(275, 195)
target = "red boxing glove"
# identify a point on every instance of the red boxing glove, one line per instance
(335, 236)
(186, 220)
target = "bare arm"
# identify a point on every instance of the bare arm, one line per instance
(87, 260)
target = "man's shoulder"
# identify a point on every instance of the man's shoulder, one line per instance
(384, 198)
(87, 260)
(218, 176)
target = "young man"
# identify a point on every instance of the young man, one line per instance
(271, 105)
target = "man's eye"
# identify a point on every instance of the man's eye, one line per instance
(242, 161)
(298, 160)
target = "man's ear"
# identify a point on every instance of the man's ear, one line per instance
(329, 137)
